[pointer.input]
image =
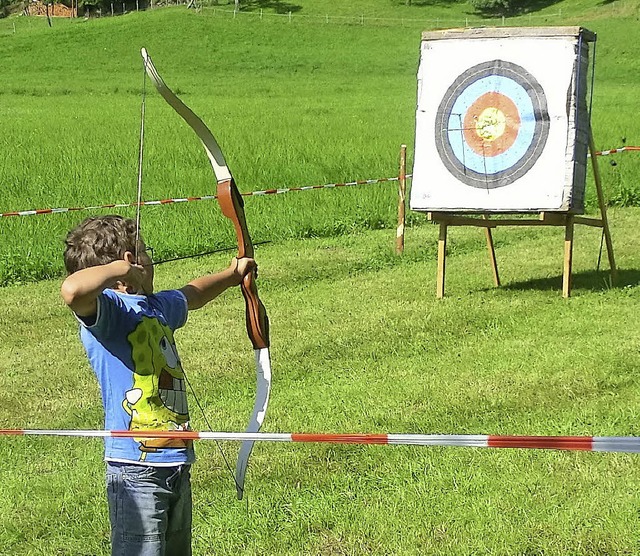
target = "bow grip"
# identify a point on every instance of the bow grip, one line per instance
(257, 319)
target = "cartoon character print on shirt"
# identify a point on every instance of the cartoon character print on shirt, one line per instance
(157, 398)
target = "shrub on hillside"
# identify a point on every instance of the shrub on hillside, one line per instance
(498, 7)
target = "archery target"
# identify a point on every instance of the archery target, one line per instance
(497, 124)
(492, 124)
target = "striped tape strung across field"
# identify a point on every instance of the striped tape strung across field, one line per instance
(629, 444)
(618, 150)
(34, 212)
(277, 191)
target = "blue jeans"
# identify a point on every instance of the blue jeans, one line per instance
(149, 509)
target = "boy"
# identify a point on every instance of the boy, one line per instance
(127, 332)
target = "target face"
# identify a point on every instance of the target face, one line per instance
(492, 124)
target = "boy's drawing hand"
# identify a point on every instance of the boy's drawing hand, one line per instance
(81, 289)
(136, 279)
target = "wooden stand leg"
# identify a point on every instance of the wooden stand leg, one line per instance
(603, 208)
(492, 255)
(442, 254)
(568, 257)
(402, 188)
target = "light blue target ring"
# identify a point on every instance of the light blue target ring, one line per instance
(498, 163)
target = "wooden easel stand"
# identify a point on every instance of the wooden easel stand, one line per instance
(564, 219)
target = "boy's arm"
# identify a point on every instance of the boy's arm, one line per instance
(202, 290)
(81, 289)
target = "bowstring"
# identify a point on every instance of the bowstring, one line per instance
(140, 156)
(209, 427)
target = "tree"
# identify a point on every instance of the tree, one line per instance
(498, 7)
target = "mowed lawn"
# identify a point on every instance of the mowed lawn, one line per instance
(359, 342)
(292, 104)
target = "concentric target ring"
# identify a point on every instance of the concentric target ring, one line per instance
(492, 124)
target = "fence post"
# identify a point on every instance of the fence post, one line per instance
(111, 8)
(402, 189)
(289, 16)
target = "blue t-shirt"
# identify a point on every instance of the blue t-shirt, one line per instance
(133, 354)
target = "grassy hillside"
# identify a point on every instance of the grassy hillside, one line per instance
(292, 103)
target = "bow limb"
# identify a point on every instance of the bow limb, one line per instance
(232, 207)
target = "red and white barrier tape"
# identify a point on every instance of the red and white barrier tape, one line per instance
(618, 150)
(34, 212)
(629, 444)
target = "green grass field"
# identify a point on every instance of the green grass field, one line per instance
(359, 342)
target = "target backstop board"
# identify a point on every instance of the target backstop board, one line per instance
(502, 123)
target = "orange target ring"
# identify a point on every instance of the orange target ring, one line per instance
(491, 124)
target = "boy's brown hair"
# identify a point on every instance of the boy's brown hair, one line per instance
(99, 240)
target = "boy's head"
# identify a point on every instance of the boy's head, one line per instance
(100, 240)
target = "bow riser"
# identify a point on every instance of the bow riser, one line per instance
(232, 206)
(257, 320)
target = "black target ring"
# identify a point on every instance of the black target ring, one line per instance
(486, 142)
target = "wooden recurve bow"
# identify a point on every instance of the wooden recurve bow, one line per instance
(232, 207)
